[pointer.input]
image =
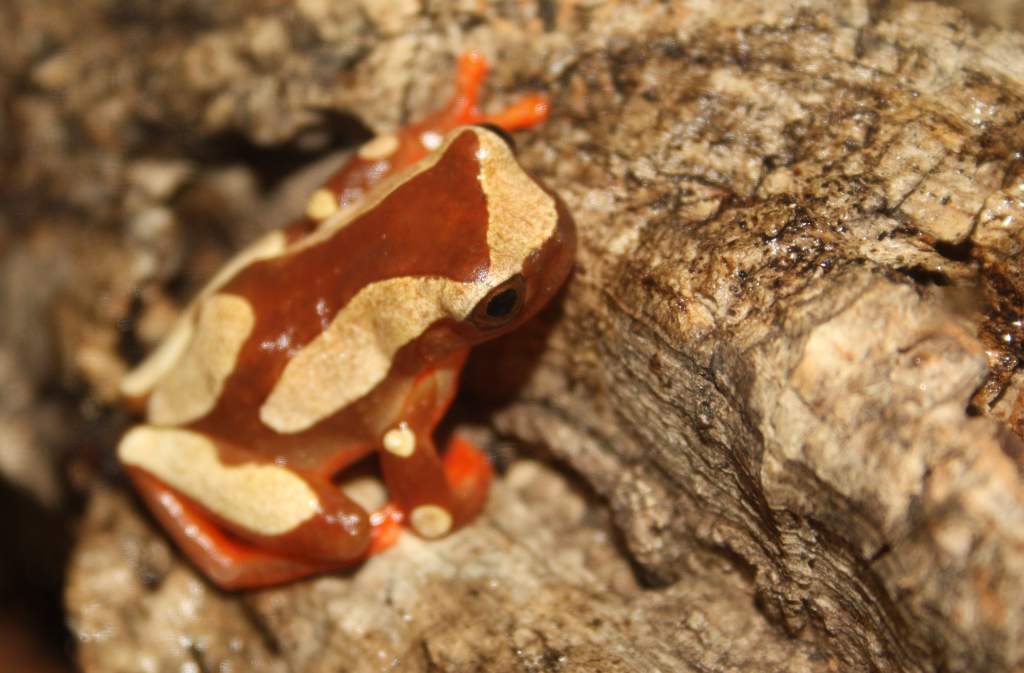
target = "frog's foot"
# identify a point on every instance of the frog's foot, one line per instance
(385, 528)
(468, 473)
(232, 563)
(464, 107)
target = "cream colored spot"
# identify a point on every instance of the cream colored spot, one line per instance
(266, 499)
(321, 205)
(400, 441)
(379, 148)
(190, 390)
(143, 378)
(355, 352)
(431, 140)
(431, 521)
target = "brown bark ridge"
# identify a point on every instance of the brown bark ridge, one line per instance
(785, 377)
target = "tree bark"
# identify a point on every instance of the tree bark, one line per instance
(778, 409)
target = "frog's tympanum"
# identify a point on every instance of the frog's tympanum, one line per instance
(343, 335)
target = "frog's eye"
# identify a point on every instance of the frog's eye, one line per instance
(501, 304)
(501, 133)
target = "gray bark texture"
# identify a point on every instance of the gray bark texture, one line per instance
(774, 423)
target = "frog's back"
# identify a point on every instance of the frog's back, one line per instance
(321, 299)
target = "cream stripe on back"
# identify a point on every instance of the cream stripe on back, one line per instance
(190, 390)
(144, 377)
(520, 215)
(355, 352)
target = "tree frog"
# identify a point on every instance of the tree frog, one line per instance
(343, 335)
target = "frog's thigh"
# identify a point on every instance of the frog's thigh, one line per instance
(229, 562)
(265, 499)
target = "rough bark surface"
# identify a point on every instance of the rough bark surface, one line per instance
(786, 373)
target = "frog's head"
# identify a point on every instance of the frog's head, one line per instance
(531, 240)
(460, 248)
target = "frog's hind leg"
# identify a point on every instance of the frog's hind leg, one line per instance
(269, 506)
(464, 107)
(229, 562)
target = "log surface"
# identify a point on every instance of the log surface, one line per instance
(778, 408)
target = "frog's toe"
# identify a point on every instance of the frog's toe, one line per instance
(468, 472)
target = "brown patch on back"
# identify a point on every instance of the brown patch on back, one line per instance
(434, 224)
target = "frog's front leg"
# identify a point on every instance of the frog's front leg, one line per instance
(270, 507)
(435, 494)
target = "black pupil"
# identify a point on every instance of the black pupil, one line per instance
(502, 303)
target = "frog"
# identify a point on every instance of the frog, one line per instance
(340, 338)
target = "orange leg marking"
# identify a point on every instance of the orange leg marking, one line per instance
(469, 78)
(387, 527)
(468, 472)
(525, 113)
